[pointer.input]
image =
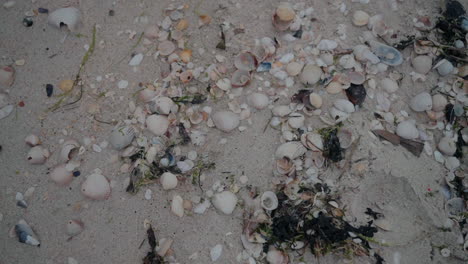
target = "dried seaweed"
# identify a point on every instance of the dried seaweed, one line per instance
(152, 257)
(222, 43)
(415, 147)
(190, 99)
(331, 146)
(183, 134)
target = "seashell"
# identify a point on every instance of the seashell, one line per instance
(281, 110)
(166, 47)
(163, 246)
(240, 78)
(346, 138)
(188, 205)
(74, 227)
(269, 201)
(162, 105)
(196, 117)
(32, 140)
(136, 60)
(447, 146)
(334, 88)
(146, 95)
(327, 58)
(38, 155)
(25, 234)
(157, 124)
(224, 84)
(347, 61)
(296, 121)
(422, 64)
(69, 149)
(452, 163)
(186, 76)
(215, 252)
(344, 105)
(182, 25)
(285, 166)
(338, 115)
(389, 85)
(463, 70)
(121, 137)
(177, 206)
(386, 54)
(294, 68)
(204, 20)
(356, 77)
(407, 129)
(69, 17)
(310, 74)
(225, 121)
(312, 141)
(290, 150)
(444, 67)
(285, 12)
(60, 175)
(438, 102)
(66, 85)
(225, 202)
(360, 18)
(258, 100)
(363, 53)
(275, 256)
(245, 61)
(327, 45)
(315, 100)
(7, 76)
(168, 181)
(96, 187)
(455, 207)
(186, 55)
(421, 102)
(152, 32)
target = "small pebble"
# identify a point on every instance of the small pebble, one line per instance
(111, 12)
(20, 62)
(28, 22)
(148, 194)
(76, 173)
(49, 89)
(43, 10)
(122, 84)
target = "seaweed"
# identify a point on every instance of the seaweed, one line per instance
(151, 257)
(190, 99)
(184, 134)
(331, 146)
(222, 43)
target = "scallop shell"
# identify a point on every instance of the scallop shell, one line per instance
(74, 227)
(157, 124)
(168, 181)
(32, 140)
(60, 175)
(407, 129)
(38, 155)
(290, 150)
(225, 121)
(177, 206)
(258, 100)
(96, 187)
(121, 137)
(269, 201)
(240, 78)
(225, 202)
(69, 17)
(422, 64)
(166, 47)
(245, 61)
(7, 76)
(421, 102)
(69, 149)
(360, 18)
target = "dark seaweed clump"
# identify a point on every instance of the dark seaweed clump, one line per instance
(332, 148)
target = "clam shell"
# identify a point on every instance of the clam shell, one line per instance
(290, 150)
(310, 74)
(407, 129)
(285, 12)
(25, 234)
(225, 202)
(32, 140)
(69, 149)
(315, 100)
(438, 102)
(334, 88)
(294, 68)
(162, 105)
(38, 155)
(224, 84)
(7, 76)
(386, 54)
(60, 175)
(74, 227)
(225, 121)
(146, 95)
(422, 64)
(344, 105)
(245, 61)
(121, 137)
(240, 78)
(360, 18)
(166, 47)
(69, 17)
(157, 124)
(312, 141)
(96, 187)
(389, 85)
(168, 181)
(258, 100)
(281, 110)
(269, 201)
(421, 102)
(444, 67)
(447, 146)
(177, 206)
(296, 120)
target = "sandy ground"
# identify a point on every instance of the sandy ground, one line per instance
(114, 229)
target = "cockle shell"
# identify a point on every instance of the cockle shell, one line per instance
(438, 102)
(310, 74)
(225, 202)
(69, 149)
(166, 47)
(225, 121)
(389, 85)
(96, 187)
(258, 100)
(269, 201)
(60, 175)
(74, 227)
(69, 17)
(447, 146)
(38, 155)
(121, 137)
(360, 18)
(291, 150)
(421, 102)
(422, 64)
(168, 181)
(7, 76)
(32, 140)
(285, 166)
(157, 124)
(315, 100)
(407, 129)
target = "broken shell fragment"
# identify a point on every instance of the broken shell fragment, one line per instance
(386, 54)
(69, 149)
(240, 78)
(245, 61)
(407, 129)
(444, 67)
(290, 150)
(162, 105)
(275, 256)
(447, 146)
(121, 137)
(346, 138)
(344, 105)
(166, 47)
(168, 181)
(38, 155)
(32, 140)
(177, 206)
(285, 166)
(74, 227)
(25, 234)
(225, 121)
(157, 124)
(96, 187)
(334, 88)
(310, 74)
(269, 201)
(69, 17)
(186, 55)
(421, 102)
(60, 175)
(258, 100)
(163, 246)
(360, 18)
(225, 202)
(422, 64)
(312, 141)
(7, 76)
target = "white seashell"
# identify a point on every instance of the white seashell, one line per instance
(334, 88)
(422, 64)
(347, 61)
(202, 207)
(136, 60)
(215, 252)
(157, 124)
(162, 105)
(438, 102)
(452, 163)
(225, 121)
(275, 256)
(38, 155)
(389, 85)
(344, 105)
(96, 187)
(444, 67)
(326, 44)
(225, 202)
(258, 100)
(177, 206)
(407, 130)
(294, 68)
(421, 102)
(224, 84)
(312, 141)
(60, 175)
(121, 137)
(146, 95)
(32, 140)
(166, 47)
(296, 121)
(281, 110)
(163, 246)
(74, 227)
(447, 146)
(315, 100)
(240, 78)
(360, 18)
(269, 201)
(69, 149)
(310, 74)
(338, 115)
(285, 12)
(7, 76)
(69, 17)
(291, 150)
